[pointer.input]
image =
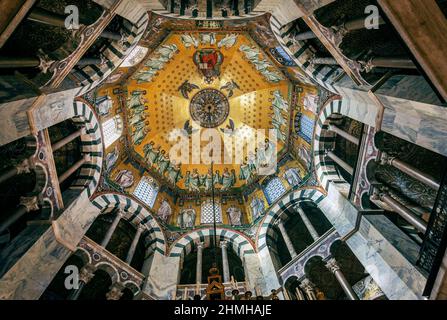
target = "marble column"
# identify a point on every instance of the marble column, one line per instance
(199, 263)
(53, 19)
(340, 162)
(307, 223)
(74, 168)
(27, 204)
(400, 209)
(342, 30)
(410, 170)
(56, 146)
(286, 238)
(111, 230)
(299, 294)
(85, 275)
(134, 244)
(343, 134)
(309, 289)
(333, 266)
(24, 167)
(225, 263)
(116, 292)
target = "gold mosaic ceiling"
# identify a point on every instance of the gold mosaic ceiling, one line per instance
(159, 94)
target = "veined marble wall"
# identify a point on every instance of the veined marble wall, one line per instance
(387, 254)
(26, 277)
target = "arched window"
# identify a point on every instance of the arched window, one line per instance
(112, 130)
(147, 191)
(274, 189)
(206, 212)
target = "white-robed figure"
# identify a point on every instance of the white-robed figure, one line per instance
(165, 211)
(257, 207)
(125, 179)
(292, 175)
(187, 218)
(234, 216)
(104, 104)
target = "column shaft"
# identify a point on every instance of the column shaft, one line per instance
(348, 26)
(111, 230)
(400, 63)
(47, 17)
(344, 134)
(286, 238)
(134, 244)
(411, 171)
(404, 212)
(308, 224)
(333, 266)
(27, 204)
(341, 162)
(225, 263)
(8, 174)
(199, 263)
(56, 146)
(74, 168)
(74, 295)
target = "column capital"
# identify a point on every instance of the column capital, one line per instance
(386, 159)
(24, 167)
(278, 222)
(116, 291)
(223, 244)
(199, 245)
(30, 203)
(86, 274)
(141, 228)
(332, 265)
(307, 285)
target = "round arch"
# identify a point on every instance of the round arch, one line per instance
(240, 243)
(91, 143)
(324, 140)
(134, 213)
(309, 194)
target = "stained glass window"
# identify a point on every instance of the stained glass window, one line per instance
(206, 212)
(146, 191)
(112, 130)
(273, 190)
(304, 126)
